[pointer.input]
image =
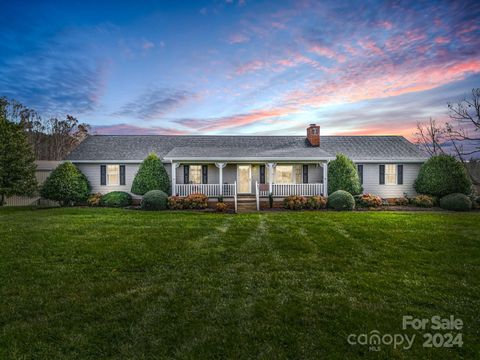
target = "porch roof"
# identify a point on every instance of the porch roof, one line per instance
(246, 153)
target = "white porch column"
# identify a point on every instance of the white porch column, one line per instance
(325, 179)
(270, 166)
(220, 166)
(174, 176)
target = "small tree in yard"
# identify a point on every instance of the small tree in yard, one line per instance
(66, 184)
(17, 162)
(442, 175)
(342, 175)
(151, 176)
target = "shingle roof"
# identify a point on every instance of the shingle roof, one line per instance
(137, 147)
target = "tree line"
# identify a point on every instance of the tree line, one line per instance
(51, 138)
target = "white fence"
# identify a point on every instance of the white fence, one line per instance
(281, 190)
(44, 168)
(210, 190)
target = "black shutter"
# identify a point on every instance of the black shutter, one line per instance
(399, 174)
(381, 174)
(204, 174)
(103, 174)
(262, 174)
(186, 174)
(122, 174)
(305, 174)
(360, 173)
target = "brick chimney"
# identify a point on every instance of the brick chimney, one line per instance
(313, 135)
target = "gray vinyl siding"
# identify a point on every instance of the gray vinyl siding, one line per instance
(371, 181)
(92, 172)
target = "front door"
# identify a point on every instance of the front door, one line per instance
(244, 178)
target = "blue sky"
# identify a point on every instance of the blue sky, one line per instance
(240, 67)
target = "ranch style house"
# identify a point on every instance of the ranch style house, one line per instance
(231, 166)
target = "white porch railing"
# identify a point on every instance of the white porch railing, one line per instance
(281, 190)
(211, 190)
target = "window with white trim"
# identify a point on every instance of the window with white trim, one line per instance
(113, 175)
(390, 174)
(195, 174)
(284, 174)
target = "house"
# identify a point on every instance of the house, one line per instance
(229, 166)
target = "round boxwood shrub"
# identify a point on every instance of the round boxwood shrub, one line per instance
(456, 202)
(154, 200)
(151, 176)
(67, 185)
(342, 175)
(442, 175)
(116, 199)
(341, 200)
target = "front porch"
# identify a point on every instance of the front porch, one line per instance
(229, 180)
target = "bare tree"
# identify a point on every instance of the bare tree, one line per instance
(430, 137)
(464, 130)
(51, 138)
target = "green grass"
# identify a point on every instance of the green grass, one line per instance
(108, 283)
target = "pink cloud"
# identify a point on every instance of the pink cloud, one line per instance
(359, 84)
(327, 52)
(226, 122)
(238, 38)
(385, 25)
(371, 47)
(250, 66)
(442, 40)
(127, 129)
(148, 45)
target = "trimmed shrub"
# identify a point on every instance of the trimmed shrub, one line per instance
(294, 202)
(67, 185)
(368, 200)
(117, 199)
(341, 200)
(154, 200)
(151, 176)
(221, 207)
(316, 202)
(196, 201)
(176, 203)
(95, 199)
(425, 201)
(342, 175)
(401, 201)
(456, 202)
(442, 175)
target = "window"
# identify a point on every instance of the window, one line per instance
(195, 174)
(360, 173)
(113, 175)
(390, 174)
(284, 174)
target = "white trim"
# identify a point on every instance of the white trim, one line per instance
(258, 159)
(253, 159)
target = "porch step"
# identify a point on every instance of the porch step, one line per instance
(246, 207)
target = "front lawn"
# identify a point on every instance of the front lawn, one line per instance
(107, 283)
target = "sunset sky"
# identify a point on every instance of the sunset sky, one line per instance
(240, 67)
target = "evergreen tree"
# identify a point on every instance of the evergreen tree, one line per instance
(151, 176)
(17, 162)
(342, 175)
